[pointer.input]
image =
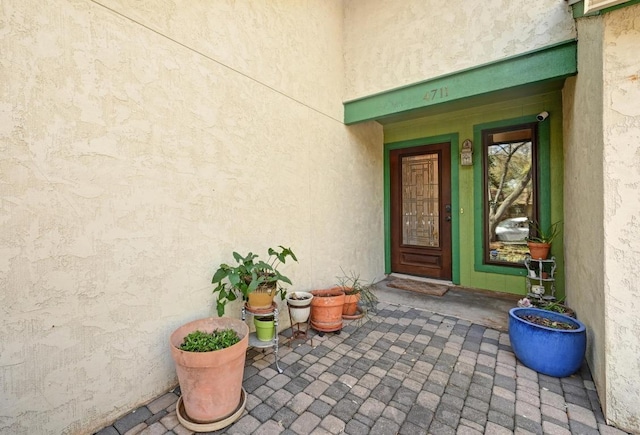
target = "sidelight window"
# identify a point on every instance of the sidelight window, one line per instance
(510, 190)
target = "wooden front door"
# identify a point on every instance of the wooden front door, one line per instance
(421, 211)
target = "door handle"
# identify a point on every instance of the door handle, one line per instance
(447, 218)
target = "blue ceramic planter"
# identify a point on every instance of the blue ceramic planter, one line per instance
(553, 352)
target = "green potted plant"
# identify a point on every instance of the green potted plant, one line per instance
(209, 355)
(539, 239)
(356, 292)
(255, 280)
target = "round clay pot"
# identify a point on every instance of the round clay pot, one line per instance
(259, 300)
(539, 251)
(326, 309)
(350, 306)
(210, 382)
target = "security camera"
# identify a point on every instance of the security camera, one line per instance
(542, 116)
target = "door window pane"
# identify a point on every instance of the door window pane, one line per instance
(420, 196)
(510, 192)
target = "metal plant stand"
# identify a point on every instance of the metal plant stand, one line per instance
(539, 273)
(297, 333)
(253, 339)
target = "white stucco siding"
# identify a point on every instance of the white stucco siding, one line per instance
(276, 42)
(583, 227)
(392, 43)
(132, 164)
(621, 214)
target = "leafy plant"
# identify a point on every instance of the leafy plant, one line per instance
(249, 274)
(198, 341)
(539, 235)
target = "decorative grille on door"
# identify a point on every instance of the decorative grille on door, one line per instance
(420, 200)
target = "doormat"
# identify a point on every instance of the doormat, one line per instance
(419, 286)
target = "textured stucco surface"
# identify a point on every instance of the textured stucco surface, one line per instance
(602, 199)
(142, 144)
(392, 43)
(621, 129)
(584, 194)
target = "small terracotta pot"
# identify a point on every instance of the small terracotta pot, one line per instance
(210, 382)
(326, 309)
(259, 300)
(539, 251)
(350, 306)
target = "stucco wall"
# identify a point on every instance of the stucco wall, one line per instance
(621, 122)
(584, 195)
(142, 144)
(602, 199)
(392, 43)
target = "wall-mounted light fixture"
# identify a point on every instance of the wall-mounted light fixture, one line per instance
(466, 153)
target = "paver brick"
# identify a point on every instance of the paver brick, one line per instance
(132, 419)
(440, 428)
(528, 424)
(553, 429)
(279, 399)
(497, 429)
(582, 415)
(300, 402)
(304, 422)
(333, 424)
(466, 430)
(154, 429)
(285, 416)
(384, 426)
(394, 414)
(355, 427)
(420, 416)
(500, 419)
(372, 408)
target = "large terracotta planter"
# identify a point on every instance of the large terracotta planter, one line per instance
(210, 382)
(326, 309)
(539, 251)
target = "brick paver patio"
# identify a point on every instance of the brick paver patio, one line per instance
(404, 371)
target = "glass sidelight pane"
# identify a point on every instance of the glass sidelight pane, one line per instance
(420, 200)
(510, 192)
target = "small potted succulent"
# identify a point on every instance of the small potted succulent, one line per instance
(356, 294)
(254, 280)
(539, 239)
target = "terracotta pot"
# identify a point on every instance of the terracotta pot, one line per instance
(350, 306)
(211, 382)
(259, 300)
(539, 251)
(326, 309)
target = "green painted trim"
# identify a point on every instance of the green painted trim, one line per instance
(544, 164)
(453, 139)
(578, 9)
(554, 62)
